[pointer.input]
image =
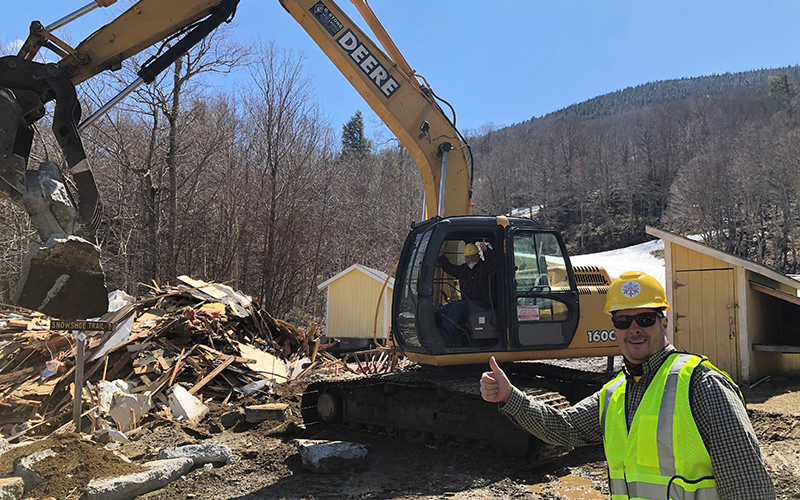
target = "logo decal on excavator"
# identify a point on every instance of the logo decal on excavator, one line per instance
(326, 18)
(368, 63)
(358, 52)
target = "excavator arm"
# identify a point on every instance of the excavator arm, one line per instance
(403, 101)
(26, 86)
(394, 92)
(63, 277)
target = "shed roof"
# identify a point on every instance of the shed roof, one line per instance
(372, 273)
(723, 256)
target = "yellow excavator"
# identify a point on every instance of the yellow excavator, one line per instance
(539, 305)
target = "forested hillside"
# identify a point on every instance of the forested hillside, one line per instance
(653, 93)
(251, 185)
(715, 158)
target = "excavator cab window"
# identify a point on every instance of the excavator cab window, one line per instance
(545, 296)
(467, 301)
(407, 296)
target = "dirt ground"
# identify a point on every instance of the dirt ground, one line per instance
(395, 470)
(271, 467)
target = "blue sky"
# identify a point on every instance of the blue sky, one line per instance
(504, 62)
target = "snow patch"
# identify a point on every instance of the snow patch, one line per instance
(633, 258)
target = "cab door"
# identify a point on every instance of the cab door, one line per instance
(544, 308)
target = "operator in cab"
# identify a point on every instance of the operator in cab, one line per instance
(672, 424)
(474, 284)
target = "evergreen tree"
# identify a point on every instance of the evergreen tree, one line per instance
(353, 139)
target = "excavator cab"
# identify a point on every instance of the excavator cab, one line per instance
(531, 300)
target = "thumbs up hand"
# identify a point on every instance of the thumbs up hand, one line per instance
(495, 387)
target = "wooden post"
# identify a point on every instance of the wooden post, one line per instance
(78, 384)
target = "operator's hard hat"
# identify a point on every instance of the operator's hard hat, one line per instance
(470, 249)
(634, 290)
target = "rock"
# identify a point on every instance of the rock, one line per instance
(201, 453)
(48, 201)
(11, 488)
(24, 468)
(231, 418)
(63, 279)
(161, 473)
(185, 406)
(4, 446)
(330, 456)
(270, 411)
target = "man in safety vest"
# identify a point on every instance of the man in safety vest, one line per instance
(673, 425)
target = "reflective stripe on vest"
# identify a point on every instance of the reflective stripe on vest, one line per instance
(622, 489)
(633, 470)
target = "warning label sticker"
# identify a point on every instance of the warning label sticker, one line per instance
(527, 313)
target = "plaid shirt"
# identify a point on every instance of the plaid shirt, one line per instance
(473, 283)
(718, 412)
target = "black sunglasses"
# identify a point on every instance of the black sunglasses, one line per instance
(644, 320)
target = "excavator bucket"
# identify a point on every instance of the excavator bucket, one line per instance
(62, 277)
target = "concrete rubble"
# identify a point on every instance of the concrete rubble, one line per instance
(11, 488)
(160, 473)
(201, 454)
(330, 456)
(25, 468)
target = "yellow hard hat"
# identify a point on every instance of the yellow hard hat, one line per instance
(470, 249)
(634, 290)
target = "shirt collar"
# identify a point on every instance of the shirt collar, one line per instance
(655, 361)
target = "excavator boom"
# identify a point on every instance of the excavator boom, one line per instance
(392, 90)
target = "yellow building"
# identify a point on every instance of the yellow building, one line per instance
(743, 316)
(352, 298)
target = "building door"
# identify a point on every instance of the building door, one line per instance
(705, 315)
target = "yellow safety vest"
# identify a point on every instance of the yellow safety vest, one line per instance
(663, 456)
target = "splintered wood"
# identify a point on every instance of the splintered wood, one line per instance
(204, 336)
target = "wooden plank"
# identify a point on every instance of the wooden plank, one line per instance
(775, 293)
(121, 363)
(777, 348)
(15, 375)
(211, 375)
(178, 361)
(217, 354)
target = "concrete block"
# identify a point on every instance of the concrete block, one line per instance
(330, 456)
(24, 468)
(232, 418)
(185, 406)
(201, 453)
(11, 488)
(161, 473)
(270, 411)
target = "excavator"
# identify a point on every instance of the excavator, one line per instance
(540, 306)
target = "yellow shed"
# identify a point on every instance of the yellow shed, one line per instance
(743, 316)
(352, 297)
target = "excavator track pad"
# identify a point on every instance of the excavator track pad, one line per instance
(435, 405)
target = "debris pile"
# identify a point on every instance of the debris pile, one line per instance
(165, 356)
